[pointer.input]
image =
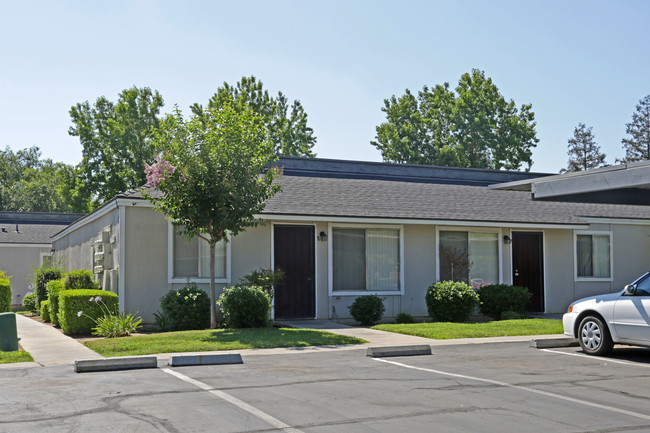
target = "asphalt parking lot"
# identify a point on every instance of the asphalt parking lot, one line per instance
(505, 387)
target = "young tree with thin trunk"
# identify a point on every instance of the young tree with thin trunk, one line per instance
(584, 153)
(213, 176)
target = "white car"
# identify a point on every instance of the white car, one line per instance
(601, 321)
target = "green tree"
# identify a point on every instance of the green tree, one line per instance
(286, 123)
(31, 184)
(213, 175)
(475, 126)
(637, 147)
(584, 153)
(117, 140)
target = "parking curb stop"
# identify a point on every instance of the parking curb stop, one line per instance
(219, 359)
(548, 343)
(387, 351)
(110, 364)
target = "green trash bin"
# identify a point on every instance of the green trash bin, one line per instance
(8, 332)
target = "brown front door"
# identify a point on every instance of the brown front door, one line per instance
(294, 253)
(528, 266)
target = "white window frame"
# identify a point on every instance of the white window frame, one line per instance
(330, 260)
(575, 255)
(181, 280)
(470, 230)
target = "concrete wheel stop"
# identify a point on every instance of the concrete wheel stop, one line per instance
(219, 359)
(548, 343)
(110, 364)
(387, 351)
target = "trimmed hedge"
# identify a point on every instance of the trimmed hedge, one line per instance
(367, 309)
(449, 301)
(29, 302)
(40, 278)
(5, 295)
(78, 308)
(189, 308)
(54, 287)
(245, 307)
(496, 299)
(81, 279)
(45, 311)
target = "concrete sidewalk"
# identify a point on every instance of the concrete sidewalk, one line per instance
(49, 346)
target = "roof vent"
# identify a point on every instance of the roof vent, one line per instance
(4, 230)
(17, 229)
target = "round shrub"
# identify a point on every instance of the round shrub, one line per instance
(404, 318)
(189, 308)
(449, 301)
(499, 298)
(81, 279)
(245, 307)
(367, 309)
(30, 302)
(45, 311)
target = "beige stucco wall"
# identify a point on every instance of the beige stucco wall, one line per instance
(146, 261)
(18, 262)
(75, 249)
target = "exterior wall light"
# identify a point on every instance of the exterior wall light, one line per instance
(507, 240)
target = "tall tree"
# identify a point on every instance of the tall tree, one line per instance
(475, 126)
(213, 175)
(286, 123)
(584, 153)
(637, 147)
(31, 184)
(117, 140)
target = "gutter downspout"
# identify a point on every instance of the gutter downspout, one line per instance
(121, 240)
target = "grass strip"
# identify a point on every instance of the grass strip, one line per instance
(15, 356)
(216, 339)
(503, 328)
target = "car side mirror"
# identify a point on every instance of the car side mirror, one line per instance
(629, 289)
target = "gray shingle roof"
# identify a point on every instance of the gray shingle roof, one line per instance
(316, 196)
(371, 198)
(32, 227)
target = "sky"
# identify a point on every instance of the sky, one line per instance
(574, 61)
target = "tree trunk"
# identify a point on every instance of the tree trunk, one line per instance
(213, 301)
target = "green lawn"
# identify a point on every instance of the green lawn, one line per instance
(17, 356)
(216, 339)
(446, 330)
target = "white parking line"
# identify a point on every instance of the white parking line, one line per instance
(522, 388)
(235, 401)
(597, 358)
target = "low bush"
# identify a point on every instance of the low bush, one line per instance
(5, 295)
(404, 318)
(30, 302)
(81, 279)
(367, 309)
(265, 278)
(449, 301)
(45, 311)
(116, 325)
(79, 309)
(512, 315)
(499, 298)
(189, 308)
(40, 277)
(54, 288)
(245, 307)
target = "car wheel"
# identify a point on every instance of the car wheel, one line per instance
(594, 336)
